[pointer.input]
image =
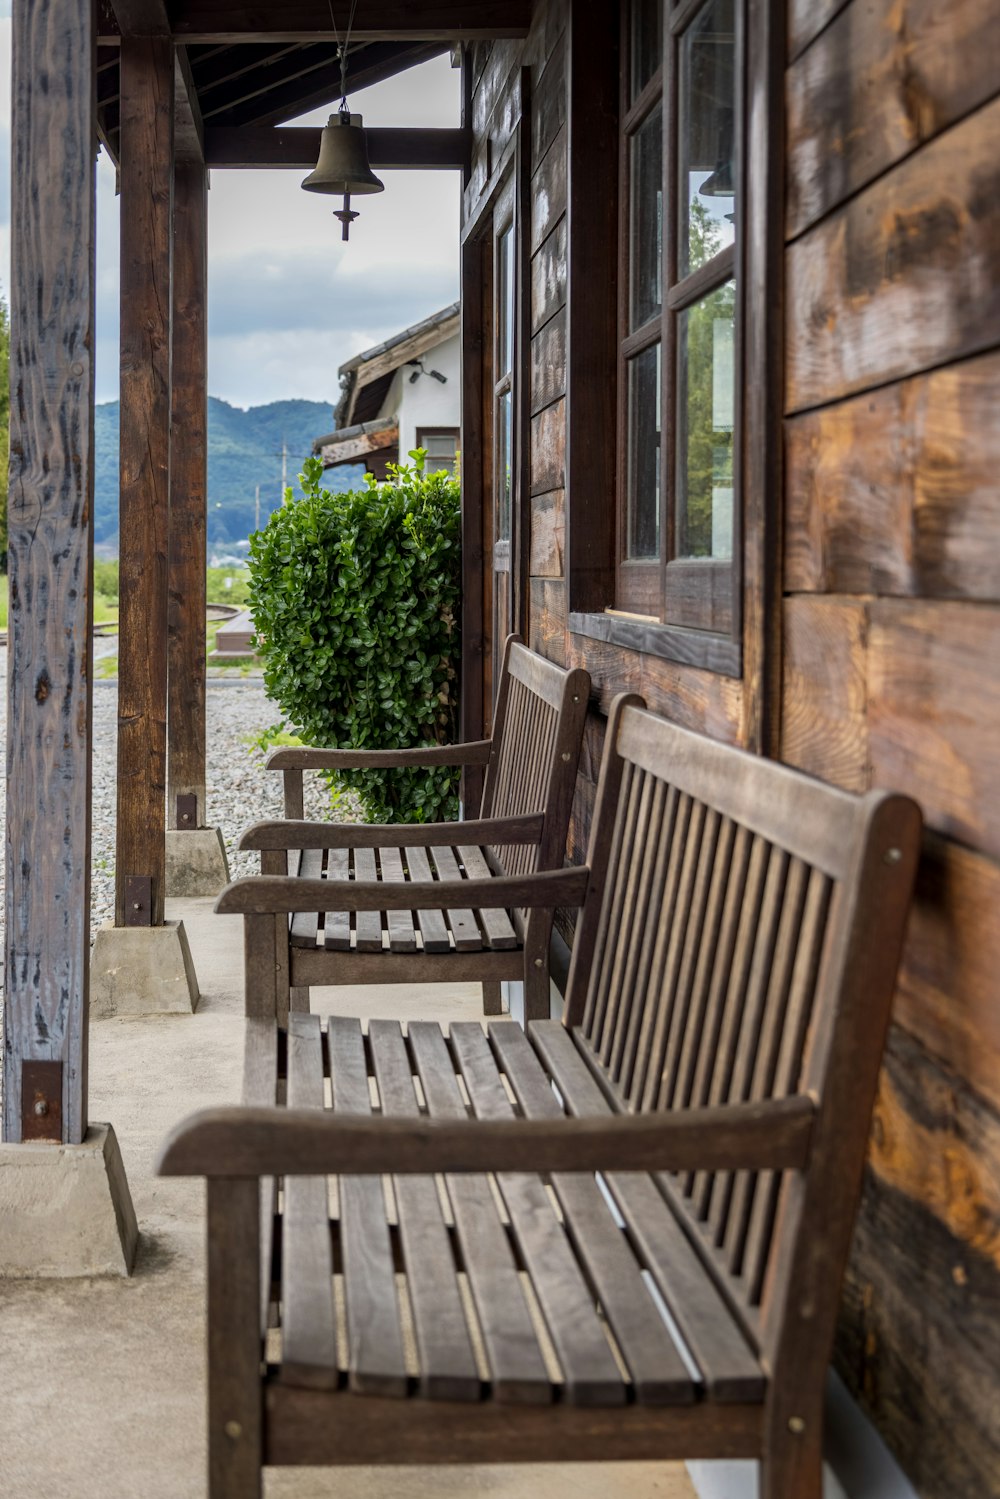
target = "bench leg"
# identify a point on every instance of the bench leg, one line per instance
(235, 1399)
(793, 1468)
(492, 997)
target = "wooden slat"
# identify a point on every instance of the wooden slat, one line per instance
(923, 235)
(464, 927)
(614, 892)
(368, 924)
(658, 1372)
(627, 913)
(589, 1369)
(496, 924)
(308, 1326)
(824, 703)
(685, 1016)
(433, 927)
(447, 1362)
(516, 1364)
(303, 925)
(260, 1086)
(337, 924)
(402, 935)
(376, 1363)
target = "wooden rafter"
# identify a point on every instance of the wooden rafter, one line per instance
(297, 147)
(309, 20)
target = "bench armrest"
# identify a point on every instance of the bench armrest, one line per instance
(286, 833)
(476, 752)
(280, 894)
(250, 1142)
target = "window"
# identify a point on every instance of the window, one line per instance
(679, 389)
(441, 444)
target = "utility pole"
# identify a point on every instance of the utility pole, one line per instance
(256, 511)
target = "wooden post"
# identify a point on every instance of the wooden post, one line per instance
(147, 140)
(188, 502)
(50, 521)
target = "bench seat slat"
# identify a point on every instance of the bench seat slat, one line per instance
(376, 1363)
(304, 924)
(260, 1086)
(447, 1361)
(516, 1364)
(463, 923)
(337, 924)
(367, 924)
(433, 927)
(402, 933)
(657, 1368)
(496, 924)
(589, 1368)
(308, 1329)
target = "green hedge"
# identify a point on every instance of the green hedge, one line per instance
(355, 602)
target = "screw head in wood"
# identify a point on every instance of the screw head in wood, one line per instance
(565, 755)
(233, 1430)
(41, 1108)
(136, 906)
(538, 962)
(796, 1425)
(892, 856)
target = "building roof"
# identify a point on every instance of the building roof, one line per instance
(372, 371)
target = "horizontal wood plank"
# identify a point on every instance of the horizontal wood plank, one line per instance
(902, 278)
(548, 618)
(824, 726)
(881, 81)
(548, 449)
(947, 992)
(895, 492)
(548, 531)
(548, 191)
(933, 708)
(548, 363)
(807, 18)
(548, 277)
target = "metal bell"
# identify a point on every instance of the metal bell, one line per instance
(343, 159)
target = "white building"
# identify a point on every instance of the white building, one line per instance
(403, 394)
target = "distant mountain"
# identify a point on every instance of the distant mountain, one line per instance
(244, 450)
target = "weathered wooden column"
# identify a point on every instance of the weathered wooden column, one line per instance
(147, 148)
(65, 1211)
(143, 965)
(195, 854)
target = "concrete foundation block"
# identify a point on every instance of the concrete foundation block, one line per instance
(66, 1210)
(142, 970)
(196, 862)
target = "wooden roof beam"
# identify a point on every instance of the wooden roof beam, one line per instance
(205, 21)
(297, 147)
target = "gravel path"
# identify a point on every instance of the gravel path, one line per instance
(239, 790)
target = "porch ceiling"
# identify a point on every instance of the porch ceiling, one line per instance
(262, 65)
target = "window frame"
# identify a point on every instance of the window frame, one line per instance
(454, 432)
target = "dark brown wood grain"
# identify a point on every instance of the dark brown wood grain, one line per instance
(862, 281)
(548, 521)
(548, 191)
(49, 519)
(894, 491)
(295, 148)
(933, 707)
(188, 494)
(548, 618)
(881, 81)
(824, 713)
(548, 448)
(947, 989)
(807, 18)
(147, 188)
(548, 363)
(309, 20)
(549, 113)
(548, 277)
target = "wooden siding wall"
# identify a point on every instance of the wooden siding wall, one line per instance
(890, 617)
(892, 652)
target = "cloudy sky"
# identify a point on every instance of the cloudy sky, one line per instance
(288, 300)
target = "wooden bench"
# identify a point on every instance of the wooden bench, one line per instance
(620, 1235)
(530, 777)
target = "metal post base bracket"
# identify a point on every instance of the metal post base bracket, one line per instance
(66, 1210)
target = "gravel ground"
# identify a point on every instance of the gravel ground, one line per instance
(239, 790)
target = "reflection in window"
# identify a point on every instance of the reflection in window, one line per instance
(705, 420)
(646, 190)
(505, 301)
(706, 137)
(642, 540)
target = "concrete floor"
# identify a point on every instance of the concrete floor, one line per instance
(102, 1381)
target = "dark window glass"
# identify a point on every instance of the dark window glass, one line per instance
(646, 44)
(707, 166)
(642, 540)
(646, 220)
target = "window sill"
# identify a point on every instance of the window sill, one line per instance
(715, 653)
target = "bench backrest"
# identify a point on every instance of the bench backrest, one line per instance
(538, 723)
(740, 942)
